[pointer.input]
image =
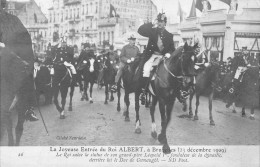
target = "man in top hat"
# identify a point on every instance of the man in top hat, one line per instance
(160, 44)
(15, 37)
(128, 53)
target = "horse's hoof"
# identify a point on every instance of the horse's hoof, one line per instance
(166, 149)
(243, 115)
(154, 134)
(127, 119)
(162, 139)
(112, 99)
(252, 117)
(106, 102)
(70, 108)
(196, 118)
(234, 111)
(138, 131)
(118, 109)
(91, 101)
(62, 116)
(190, 114)
(212, 123)
(86, 98)
(124, 113)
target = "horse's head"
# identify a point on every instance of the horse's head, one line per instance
(91, 64)
(187, 60)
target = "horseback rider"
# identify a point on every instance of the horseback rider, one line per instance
(65, 55)
(15, 37)
(239, 65)
(160, 44)
(128, 53)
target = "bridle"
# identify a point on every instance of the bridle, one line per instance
(182, 71)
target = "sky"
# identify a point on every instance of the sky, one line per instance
(170, 7)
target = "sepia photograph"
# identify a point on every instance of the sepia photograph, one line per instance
(130, 83)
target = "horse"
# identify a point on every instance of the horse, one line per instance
(13, 74)
(109, 64)
(173, 76)
(131, 77)
(88, 68)
(246, 93)
(206, 82)
(61, 82)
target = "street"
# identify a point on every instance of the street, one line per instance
(100, 124)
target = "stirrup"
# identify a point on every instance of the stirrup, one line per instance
(30, 115)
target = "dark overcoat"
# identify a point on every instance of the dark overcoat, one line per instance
(147, 30)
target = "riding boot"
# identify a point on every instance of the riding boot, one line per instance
(114, 88)
(30, 115)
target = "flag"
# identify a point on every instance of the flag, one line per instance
(199, 5)
(193, 10)
(35, 18)
(180, 11)
(112, 12)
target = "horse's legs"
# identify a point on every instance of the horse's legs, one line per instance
(90, 92)
(152, 110)
(197, 106)
(118, 98)
(162, 136)
(19, 126)
(243, 111)
(169, 106)
(190, 105)
(127, 103)
(252, 116)
(55, 98)
(106, 93)
(137, 120)
(64, 91)
(147, 100)
(210, 108)
(71, 95)
(86, 90)
(112, 94)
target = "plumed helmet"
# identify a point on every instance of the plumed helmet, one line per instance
(132, 37)
(162, 17)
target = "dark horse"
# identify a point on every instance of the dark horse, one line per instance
(206, 82)
(172, 76)
(109, 62)
(88, 68)
(246, 93)
(131, 77)
(13, 74)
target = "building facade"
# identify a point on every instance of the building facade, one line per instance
(33, 19)
(80, 21)
(223, 33)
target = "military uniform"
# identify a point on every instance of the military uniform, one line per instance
(159, 44)
(65, 55)
(128, 53)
